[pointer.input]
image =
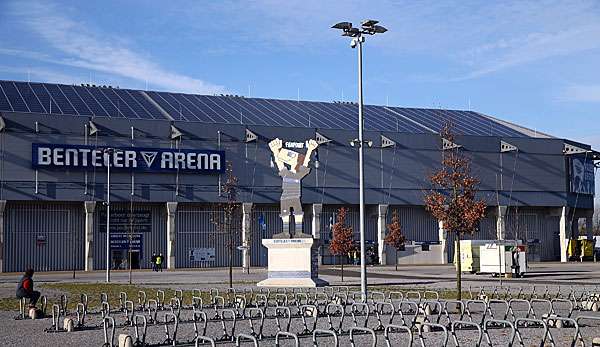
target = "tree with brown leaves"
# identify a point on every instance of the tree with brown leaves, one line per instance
(452, 198)
(342, 242)
(395, 238)
(227, 219)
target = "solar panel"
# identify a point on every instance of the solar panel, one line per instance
(4, 104)
(91, 101)
(79, 105)
(29, 97)
(109, 102)
(63, 103)
(13, 95)
(211, 108)
(139, 97)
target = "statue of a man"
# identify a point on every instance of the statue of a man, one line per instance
(291, 184)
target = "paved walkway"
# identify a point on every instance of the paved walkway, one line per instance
(436, 276)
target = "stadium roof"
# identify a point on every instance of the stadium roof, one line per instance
(95, 101)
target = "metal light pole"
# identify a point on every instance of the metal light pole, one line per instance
(368, 27)
(107, 152)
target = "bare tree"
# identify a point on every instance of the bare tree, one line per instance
(452, 200)
(227, 219)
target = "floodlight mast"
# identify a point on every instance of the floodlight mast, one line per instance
(368, 27)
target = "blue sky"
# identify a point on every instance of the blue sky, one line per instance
(534, 63)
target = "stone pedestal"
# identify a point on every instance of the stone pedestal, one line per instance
(292, 263)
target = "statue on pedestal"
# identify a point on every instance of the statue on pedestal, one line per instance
(293, 167)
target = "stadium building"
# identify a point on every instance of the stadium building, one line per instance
(171, 149)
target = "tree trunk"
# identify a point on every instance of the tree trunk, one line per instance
(342, 262)
(396, 259)
(458, 269)
(230, 249)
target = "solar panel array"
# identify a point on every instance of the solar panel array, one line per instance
(94, 101)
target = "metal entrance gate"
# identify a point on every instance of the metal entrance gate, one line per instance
(199, 244)
(44, 236)
(417, 225)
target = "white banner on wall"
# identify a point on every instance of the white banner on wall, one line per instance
(582, 176)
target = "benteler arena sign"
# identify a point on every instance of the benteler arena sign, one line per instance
(83, 157)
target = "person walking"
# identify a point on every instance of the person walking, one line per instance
(159, 262)
(153, 261)
(25, 288)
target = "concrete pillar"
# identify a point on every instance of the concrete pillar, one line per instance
(564, 232)
(171, 215)
(317, 209)
(2, 208)
(381, 227)
(589, 225)
(443, 238)
(90, 208)
(501, 223)
(246, 234)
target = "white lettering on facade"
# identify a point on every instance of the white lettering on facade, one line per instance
(44, 156)
(130, 159)
(57, 156)
(215, 162)
(166, 160)
(180, 160)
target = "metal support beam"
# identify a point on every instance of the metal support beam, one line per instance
(246, 234)
(171, 242)
(381, 227)
(501, 223)
(90, 208)
(2, 231)
(317, 209)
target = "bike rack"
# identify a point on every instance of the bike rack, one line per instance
(136, 324)
(498, 322)
(204, 339)
(432, 326)
(463, 324)
(325, 332)
(391, 328)
(171, 339)
(108, 323)
(246, 337)
(338, 311)
(254, 332)
(286, 314)
(362, 309)
(535, 323)
(283, 334)
(353, 331)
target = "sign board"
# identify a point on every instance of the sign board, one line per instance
(121, 241)
(582, 175)
(202, 254)
(82, 157)
(125, 221)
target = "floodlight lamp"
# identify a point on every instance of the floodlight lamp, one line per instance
(343, 26)
(379, 29)
(369, 23)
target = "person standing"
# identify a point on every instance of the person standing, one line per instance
(159, 262)
(153, 261)
(25, 288)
